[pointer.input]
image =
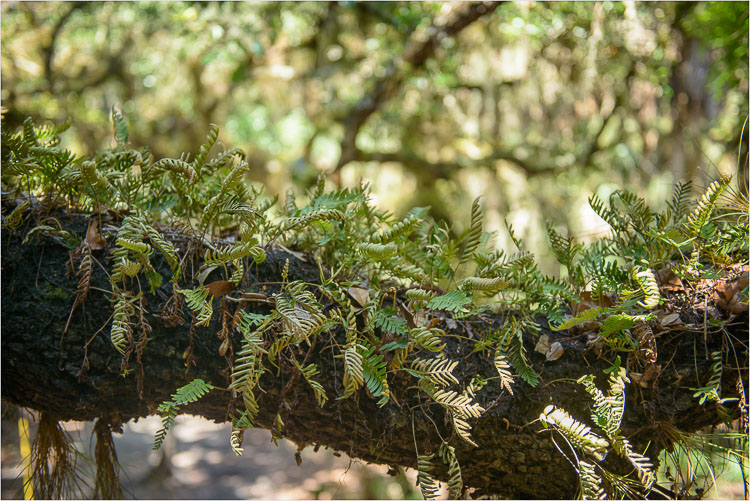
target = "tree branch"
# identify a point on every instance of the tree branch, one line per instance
(78, 376)
(415, 55)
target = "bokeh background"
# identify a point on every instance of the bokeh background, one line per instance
(535, 105)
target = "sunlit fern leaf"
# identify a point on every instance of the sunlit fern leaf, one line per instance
(590, 482)
(238, 273)
(461, 405)
(702, 213)
(235, 441)
(427, 484)
(14, 219)
(377, 252)
(176, 166)
(121, 332)
(647, 282)
(166, 248)
(233, 252)
(398, 231)
(438, 371)
(191, 392)
(463, 429)
(455, 482)
(576, 432)
(353, 370)
(121, 128)
(199, 301)
(475, 232)
(642, 464)
(503, 370)
(429, 339)
(312, 217)
(454, 301)
(485, 284)
(419, 295)
(588, 315)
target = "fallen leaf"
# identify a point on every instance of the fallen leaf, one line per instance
(220, 288)
(93, 238)
(669, 319)
(555, 351)
(359, 295)
(542, 346)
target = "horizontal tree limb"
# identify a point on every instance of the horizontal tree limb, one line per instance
(79, 375)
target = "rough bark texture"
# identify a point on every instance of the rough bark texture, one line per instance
(45, 370)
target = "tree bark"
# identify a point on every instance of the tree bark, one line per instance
(79, 375)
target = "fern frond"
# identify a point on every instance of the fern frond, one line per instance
(377, 252)
(199, 302)
(454, 301)
(475, 232)
(702, 213)
(429, 339)
(485, 284)
(647, 282)
(455, 482)
(427, 484)
(503, 369)
(14, 219)
(576, 432)
(200, 158)
(419, 295)
(235, 441)
(309, 373)
(591, 483)
(121, 128)
(437, 371)
(353, 370)
(191, 392)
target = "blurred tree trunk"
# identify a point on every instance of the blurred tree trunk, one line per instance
(78, 375)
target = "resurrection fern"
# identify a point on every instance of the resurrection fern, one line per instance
(455, 482)
(427, 483)
(391, 297)
(191, 392)
(454, 301)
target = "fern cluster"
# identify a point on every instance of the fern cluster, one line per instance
(385, 283)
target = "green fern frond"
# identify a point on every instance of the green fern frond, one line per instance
(485, 284)
(647, 282)
(199, 302)
(427, 484)
(454, 301)
(309, 373)
(377, 252)
(429, 339)
(191, 392)
(475, 232)
(576, 432)
(121, 128)
(419, 295)
(455, 482)
(374, 375)
(702, 213)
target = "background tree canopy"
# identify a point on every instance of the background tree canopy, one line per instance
(533, 105)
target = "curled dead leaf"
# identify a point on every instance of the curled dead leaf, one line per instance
(94, 239)
(542, 346)
(555, 351)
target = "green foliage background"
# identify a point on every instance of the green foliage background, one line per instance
(534, 106)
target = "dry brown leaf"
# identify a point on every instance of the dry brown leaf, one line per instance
(542, 346)
(93, 237)
(555, 351)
